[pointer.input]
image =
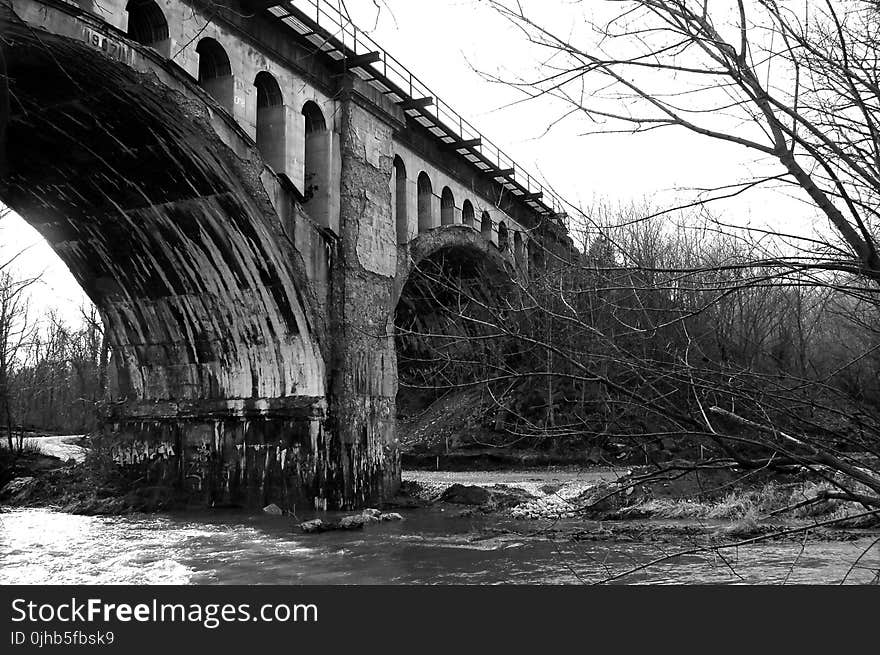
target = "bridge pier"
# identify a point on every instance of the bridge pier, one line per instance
(363, 384)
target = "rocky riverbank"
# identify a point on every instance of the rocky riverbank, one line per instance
(577, 503)
(89, 484)
(638, 504)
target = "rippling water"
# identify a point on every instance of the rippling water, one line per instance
(39, 546)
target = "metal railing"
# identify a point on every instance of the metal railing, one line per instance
(341, 38)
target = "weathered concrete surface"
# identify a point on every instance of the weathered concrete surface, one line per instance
(160, 209)
(365, 384)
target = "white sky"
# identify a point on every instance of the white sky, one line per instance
(442, 42)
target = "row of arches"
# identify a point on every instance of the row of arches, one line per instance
(425, 211)
(147, 25)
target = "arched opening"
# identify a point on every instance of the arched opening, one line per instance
(271, 137)
(147, 25)
(317, 160)
(314, 118)
(502, 236)
(215, 73)
(536, 257)
(467, 213)
(426, 202)
(486, 225)
(443, 334)
(447, 207)
(518, 250)
(399, 190)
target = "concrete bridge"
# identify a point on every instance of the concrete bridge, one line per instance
(243, 190)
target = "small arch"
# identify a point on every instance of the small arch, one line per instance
(502, 236)
(271, 137)
(215, 72)
(268, 91)
(426, 198)
(314, 118)
(518, 250)
(447, 207)
(400, 217)
(147, 25)
(486, 225)
(536, 256)
(316, 163)
(467, 213)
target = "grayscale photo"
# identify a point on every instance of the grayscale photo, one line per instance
(448, 292)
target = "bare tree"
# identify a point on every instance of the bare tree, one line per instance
(794, 85)
(17, 329)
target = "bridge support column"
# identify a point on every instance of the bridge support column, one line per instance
(364, 384)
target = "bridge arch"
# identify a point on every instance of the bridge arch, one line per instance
(467, 213)
(215, 72)
(486, 226)
(148, 26)
(317, 158)
(536, 256)
(271, 121)
(519, 249)
(425, 202)
(163, 224)
(503, 237)
(458, 238)
(401, 220)
(447, 207)
(446, 282)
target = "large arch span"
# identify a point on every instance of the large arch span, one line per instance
(167, 216)
(451, 290)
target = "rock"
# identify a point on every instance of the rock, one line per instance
(273, 509)
(315, 525)
(466, 495)
(369, 518)
(599, 499)
(19, 489)
(371, 512)
(503, 496)
(353, 522)
(97, 506)
(390, 516)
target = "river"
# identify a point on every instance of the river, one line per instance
(41, 546)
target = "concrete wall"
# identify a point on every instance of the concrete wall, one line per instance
(188, 25)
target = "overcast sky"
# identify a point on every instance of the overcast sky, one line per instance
(446, 43)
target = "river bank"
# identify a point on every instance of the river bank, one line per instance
(540, 525)
(575, 503)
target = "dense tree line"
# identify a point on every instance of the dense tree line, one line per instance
(676, 338)
(52, 374)
(61, 376)
(753, 345)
